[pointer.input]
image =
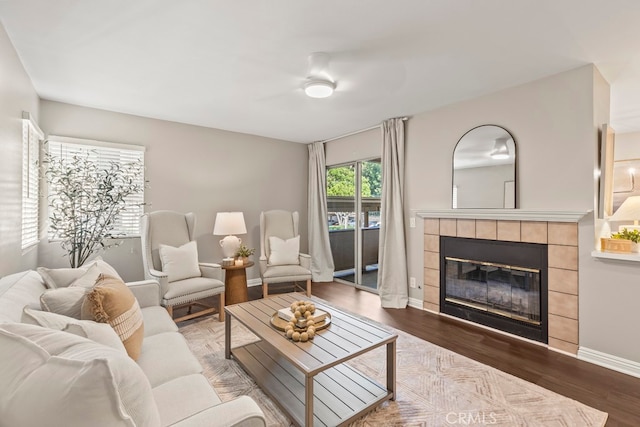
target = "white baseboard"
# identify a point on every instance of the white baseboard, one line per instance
(610, 361)
(416, 303)
(254, 282)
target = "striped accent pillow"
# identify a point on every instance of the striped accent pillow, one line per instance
(111, 301)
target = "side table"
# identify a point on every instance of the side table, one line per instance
(235, 283)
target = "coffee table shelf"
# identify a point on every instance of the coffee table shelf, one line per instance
(310, 381)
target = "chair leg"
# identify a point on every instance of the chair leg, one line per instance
(265, 289)
(221, 308)
(308, 287)
(170, 310)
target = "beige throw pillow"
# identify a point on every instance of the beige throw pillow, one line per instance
(180, 263)
(284, 252)
(111, 301)
(82, 276)
(65, 301)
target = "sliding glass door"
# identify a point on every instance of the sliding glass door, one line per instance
(353, 201)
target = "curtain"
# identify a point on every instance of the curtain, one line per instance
(392, 272)
(321, 260)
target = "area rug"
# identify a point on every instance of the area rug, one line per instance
(435, 387)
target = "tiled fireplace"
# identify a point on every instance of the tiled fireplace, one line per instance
(558, 235)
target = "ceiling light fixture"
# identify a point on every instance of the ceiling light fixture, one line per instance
(500, 150)
(316, 88)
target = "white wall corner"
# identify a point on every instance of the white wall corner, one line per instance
(609, 361)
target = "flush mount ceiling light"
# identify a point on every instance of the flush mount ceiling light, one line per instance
(319, 88)
(319, 83)
(500, 150)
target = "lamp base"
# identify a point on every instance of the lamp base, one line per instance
(230, 246)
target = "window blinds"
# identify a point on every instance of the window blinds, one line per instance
(127, 224)
(31, 137)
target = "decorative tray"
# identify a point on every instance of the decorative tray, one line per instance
(279, 323)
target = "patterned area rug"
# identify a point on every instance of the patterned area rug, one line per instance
(435, 387)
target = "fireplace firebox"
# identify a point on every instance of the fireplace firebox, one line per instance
(495, 283)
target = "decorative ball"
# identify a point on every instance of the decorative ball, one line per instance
(289, 333)
(304, 337)
(295, 336)
(311, 333)
(297, 314)
(310, 322)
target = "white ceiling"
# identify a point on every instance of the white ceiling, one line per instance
(240, 65)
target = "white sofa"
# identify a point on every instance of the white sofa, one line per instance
(177, 390)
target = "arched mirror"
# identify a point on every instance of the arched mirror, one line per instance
(484, 169)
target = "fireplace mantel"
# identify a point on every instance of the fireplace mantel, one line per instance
(504, 214)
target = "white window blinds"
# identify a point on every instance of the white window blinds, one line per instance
(31, 137)
(127, 224)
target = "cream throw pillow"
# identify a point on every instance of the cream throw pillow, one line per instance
(53, 378)
(65, 301)
(284, 252)
(111, 301)
(81, 276)
(180, 263)
(101, 333)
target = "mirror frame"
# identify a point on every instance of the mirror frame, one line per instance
(515, 166)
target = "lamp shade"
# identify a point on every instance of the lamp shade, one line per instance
(228, 223)
(629, 210)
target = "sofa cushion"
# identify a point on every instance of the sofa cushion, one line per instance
(102, 333)
(195, 394)
(65, 301)
(18, 290)
(63, 277)
(52, 378)
(180, 263)
(111, 301)
(157, 321)
(165, 357)
(88, 278)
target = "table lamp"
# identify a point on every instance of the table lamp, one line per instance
(629, 210)
(227, 224)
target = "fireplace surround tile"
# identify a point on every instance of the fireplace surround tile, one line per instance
(432, 260)
(432, 243)
(565, 305)
(466, 228)
(563, 257)
(563, 345)
(509, 231)
(432, 277)
(533, 232)
(561, 280)
(563, 328)
(486, 229)
(431, 307)
(563, 233)
(432, 226)
(432, 294)
(448, 227)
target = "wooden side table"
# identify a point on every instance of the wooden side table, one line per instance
(235, 283)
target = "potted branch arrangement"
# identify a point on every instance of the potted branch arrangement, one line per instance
(244, 253)
(86, 201)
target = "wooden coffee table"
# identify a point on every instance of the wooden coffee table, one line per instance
(309, 381)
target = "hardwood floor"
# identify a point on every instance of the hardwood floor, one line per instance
(610, 391)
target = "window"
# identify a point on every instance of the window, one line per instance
(104, 154)
(31, 137)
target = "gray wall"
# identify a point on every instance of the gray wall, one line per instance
(16, 95)
(192, 169)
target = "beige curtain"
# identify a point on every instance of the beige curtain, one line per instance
(392, 271)
(319, 248)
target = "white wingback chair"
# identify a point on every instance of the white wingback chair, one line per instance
(282, 225)
(176, 229)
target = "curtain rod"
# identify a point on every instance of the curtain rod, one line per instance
(358, 131)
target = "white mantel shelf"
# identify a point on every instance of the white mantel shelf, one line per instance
(635, 257)
(504, 214)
